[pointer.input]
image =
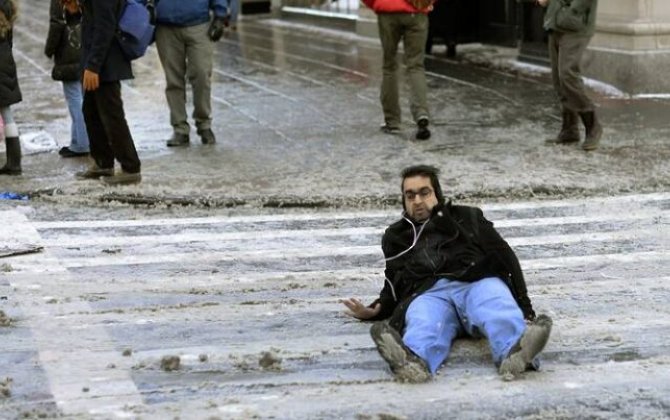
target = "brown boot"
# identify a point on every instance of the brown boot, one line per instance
(13, 165)
(569, 129)
(594, 131)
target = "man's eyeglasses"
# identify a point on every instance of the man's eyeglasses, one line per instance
(424, 193)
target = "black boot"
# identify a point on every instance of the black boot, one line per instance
(13, 165)
(594, 131)
(569, 129)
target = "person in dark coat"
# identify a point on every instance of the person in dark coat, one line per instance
(104, 67)
(10, 93)
(449, 274)
(64, 45)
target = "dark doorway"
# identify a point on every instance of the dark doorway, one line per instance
(533, 37)
(463, 21)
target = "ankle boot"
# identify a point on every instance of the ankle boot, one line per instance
(569, 129)
(594, 130)
(13, 165)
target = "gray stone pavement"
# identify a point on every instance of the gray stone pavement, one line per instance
(249, 305)
(296, 113)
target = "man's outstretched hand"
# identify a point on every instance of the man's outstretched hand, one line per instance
(360, 311)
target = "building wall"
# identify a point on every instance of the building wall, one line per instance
(631, 47)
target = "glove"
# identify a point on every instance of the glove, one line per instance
(216, 28)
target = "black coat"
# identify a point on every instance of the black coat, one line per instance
(10, 93)
(457, 243)
(101, 52)
(64, 43)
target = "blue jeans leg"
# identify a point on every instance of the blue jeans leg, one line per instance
(74, 98)
(490, 309)
(431, 325)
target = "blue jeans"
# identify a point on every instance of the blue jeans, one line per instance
(453, 308)
(74, 98)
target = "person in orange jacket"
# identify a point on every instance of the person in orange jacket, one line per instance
(404, 20)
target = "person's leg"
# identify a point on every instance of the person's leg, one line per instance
(571, 49)
(570, 119)
(199, 55)
(553, 47)
(113, 119)
(490, 309)
(431, 325)
(79, 136)
(12, 144)
(172, 53)
(413, 41)
(390, 32)
(99, 143)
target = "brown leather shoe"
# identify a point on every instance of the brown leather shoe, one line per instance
(94, 172)
(122, 178)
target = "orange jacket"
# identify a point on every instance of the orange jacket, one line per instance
(394, 6)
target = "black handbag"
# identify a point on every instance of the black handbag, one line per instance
(568, 19)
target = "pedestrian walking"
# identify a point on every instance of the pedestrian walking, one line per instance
(404, 20)
(185, 36)
(104, 66)
(571, 24)
(449, 274)
(10, 93)
(64, 46)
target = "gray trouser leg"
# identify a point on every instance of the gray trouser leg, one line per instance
(199, 56)
(390, 33)
(172, 52)
(414, 42)
(565, 52)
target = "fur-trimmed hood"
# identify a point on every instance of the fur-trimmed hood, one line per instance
(8, 13)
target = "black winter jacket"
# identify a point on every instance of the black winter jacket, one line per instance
(10, 93)
(457, 243)
(64, 43)
(101, 52)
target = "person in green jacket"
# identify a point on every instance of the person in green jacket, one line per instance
(571, 24)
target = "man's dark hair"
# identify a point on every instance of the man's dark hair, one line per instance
(427, 171)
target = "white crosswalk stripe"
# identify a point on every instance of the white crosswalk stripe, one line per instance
(233, 287)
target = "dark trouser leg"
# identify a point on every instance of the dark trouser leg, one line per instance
(101, 151)
(113, 119)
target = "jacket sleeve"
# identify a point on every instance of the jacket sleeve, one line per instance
(56, 27)
(387, 298)
(219, 7)
(491, 241)
(105, 21)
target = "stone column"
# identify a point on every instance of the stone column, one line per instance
(631, 47)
